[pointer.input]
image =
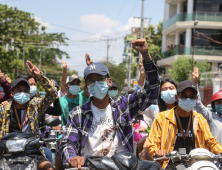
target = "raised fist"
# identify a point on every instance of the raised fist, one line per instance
(140, 45)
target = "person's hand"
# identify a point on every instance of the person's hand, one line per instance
(33, 69)
(141, 68)
(7, 78)
(77, 162)
(195, 75)
(140, 45)
(64, 64)
(161, 153)
(4, 103)
(88, 59)
(86, 91)
(2, 77)
(57, 127)
(53, 83)
(142, 129)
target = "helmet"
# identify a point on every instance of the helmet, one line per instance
(215, 97)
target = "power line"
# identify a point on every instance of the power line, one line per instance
(131, 11)
(147, 4)
(69, 28)
(118, 14)
(8, 1)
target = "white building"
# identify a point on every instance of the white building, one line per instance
(178, 31)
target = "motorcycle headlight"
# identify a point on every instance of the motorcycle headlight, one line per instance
(16, 145)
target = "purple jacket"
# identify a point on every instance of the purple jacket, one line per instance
(124, 108)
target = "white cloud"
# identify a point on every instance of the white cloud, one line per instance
(43, 23)
(98, 24)
(101, 26)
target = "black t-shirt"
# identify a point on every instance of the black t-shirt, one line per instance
(13, 126)
(189, 142)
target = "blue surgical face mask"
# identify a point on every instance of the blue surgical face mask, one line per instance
(187, 104)
(1, 89)
(218, 108)
(113, 93)
(168, 96)
(33, 91)
(22, 97)
(98, 89)
(74, 90)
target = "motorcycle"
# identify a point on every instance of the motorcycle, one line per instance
(53, 146)
(120, 161)
(14, 149)
(198, 158)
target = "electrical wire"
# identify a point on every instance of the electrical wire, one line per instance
(131, 11)
(118, 14)
(147, 4)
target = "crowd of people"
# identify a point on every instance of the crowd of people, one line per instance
(174, 50)
(98, 122)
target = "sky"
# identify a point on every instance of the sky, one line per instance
(89, 23)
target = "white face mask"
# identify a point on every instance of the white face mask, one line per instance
(187, 104)
(74, 90)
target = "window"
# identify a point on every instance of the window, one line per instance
(185, 7)
(203, 41)
(208, 5)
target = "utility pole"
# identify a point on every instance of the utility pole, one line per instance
(107, 55)
(23, 60)
(141, 29)
(130, 63)
(108, 45)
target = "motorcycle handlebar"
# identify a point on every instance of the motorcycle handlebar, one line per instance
(57, 131)
(50, 140)
(67, 165)
(167, 155)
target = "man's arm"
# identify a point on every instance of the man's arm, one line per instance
(51, 93)
(200, 108)
(70, 143)
(64, 76)
(142, 73)
(140, 100)
(154, 138)
(54, 110)
(210, 141)
(88, 62)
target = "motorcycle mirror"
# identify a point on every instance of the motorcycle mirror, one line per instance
(52, 121)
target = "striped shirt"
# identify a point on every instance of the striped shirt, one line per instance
(164, 130)
(35, 107)
(124, 108)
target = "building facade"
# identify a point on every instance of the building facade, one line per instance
(178, 31)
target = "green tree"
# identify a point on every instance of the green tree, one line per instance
(22, 37)
(181, 69)
(117, 74)
(153, 35)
